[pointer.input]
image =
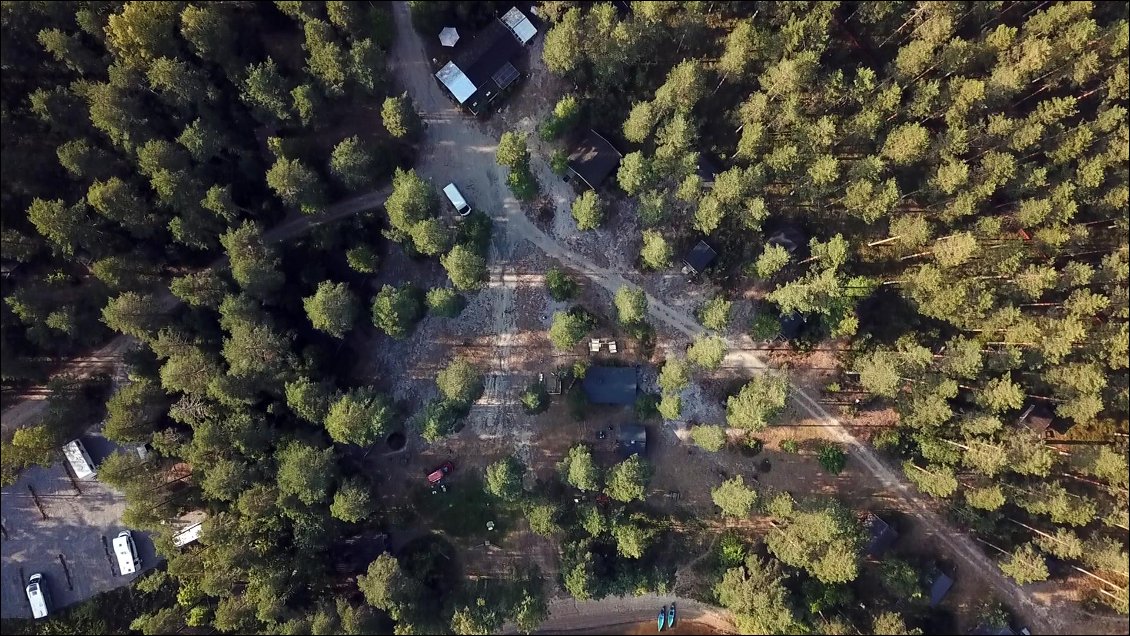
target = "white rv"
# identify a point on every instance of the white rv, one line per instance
(456, 199)
(78, 459)
(38, 596)
(126, 552)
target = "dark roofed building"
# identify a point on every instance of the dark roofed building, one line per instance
(940, 585)
(792, 324)
(594, 159)
(610, 385)
(7, 268)
(699, 258)
(880, 535)
(480, 72)
(553, 384)
(707, 170)
(632, 440)
(1041, 420)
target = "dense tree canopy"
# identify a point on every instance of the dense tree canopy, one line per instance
(758, 402)
(254, 265)
(333, 308)
(568, 328)
(460, 381)
(396, 310)
(466, 269)
(161, 147)
(588, 211)
(734, 497)
(360, 417)
(305, 472)
(756, 594)
(823, 538)
(631, 305)
(931, 196)
(627, 480)
(399, 116)
(579, 469)
(504, 479)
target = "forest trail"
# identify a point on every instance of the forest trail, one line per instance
(739, 356)
(454, 136)
(456, 149)
(570, 615)
(106, 359)
(447, 139)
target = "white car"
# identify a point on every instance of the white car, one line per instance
(462, 208)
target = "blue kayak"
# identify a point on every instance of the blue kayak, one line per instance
(662, 617)
(671, 616)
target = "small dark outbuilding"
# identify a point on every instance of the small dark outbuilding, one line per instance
(632, 440)
(553, 384)
(699, 258)
(7, 268)
(792, 324)
(1041, 420)
(610, 385)
(880, 535)
(707, 171)
(594, 159)
(940, 585)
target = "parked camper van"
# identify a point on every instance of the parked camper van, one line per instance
(126, 552)
(79, 460)
(188, 535)
(38, 596)
(457, 200)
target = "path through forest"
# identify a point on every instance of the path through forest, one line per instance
(468, 154)
(455, 149)
(107, 358)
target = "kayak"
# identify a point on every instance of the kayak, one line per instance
(671, 616)
(662, 617)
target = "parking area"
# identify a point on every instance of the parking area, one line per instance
(63, 528)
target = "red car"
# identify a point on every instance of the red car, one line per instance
(440, 472)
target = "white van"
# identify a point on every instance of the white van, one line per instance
(126, 552)
(457, 200)
(188, 535)
(38, 595)
(79, 460)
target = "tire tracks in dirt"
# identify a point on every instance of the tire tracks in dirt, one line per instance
(461, 135)
(518, 227)
(738, 356)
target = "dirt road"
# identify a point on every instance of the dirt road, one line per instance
(569, 615)
(458, 150)
(453, 150)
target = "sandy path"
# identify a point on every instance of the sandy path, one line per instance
(446, 143)
(468, 154)
(456, 150)
(569, 615)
